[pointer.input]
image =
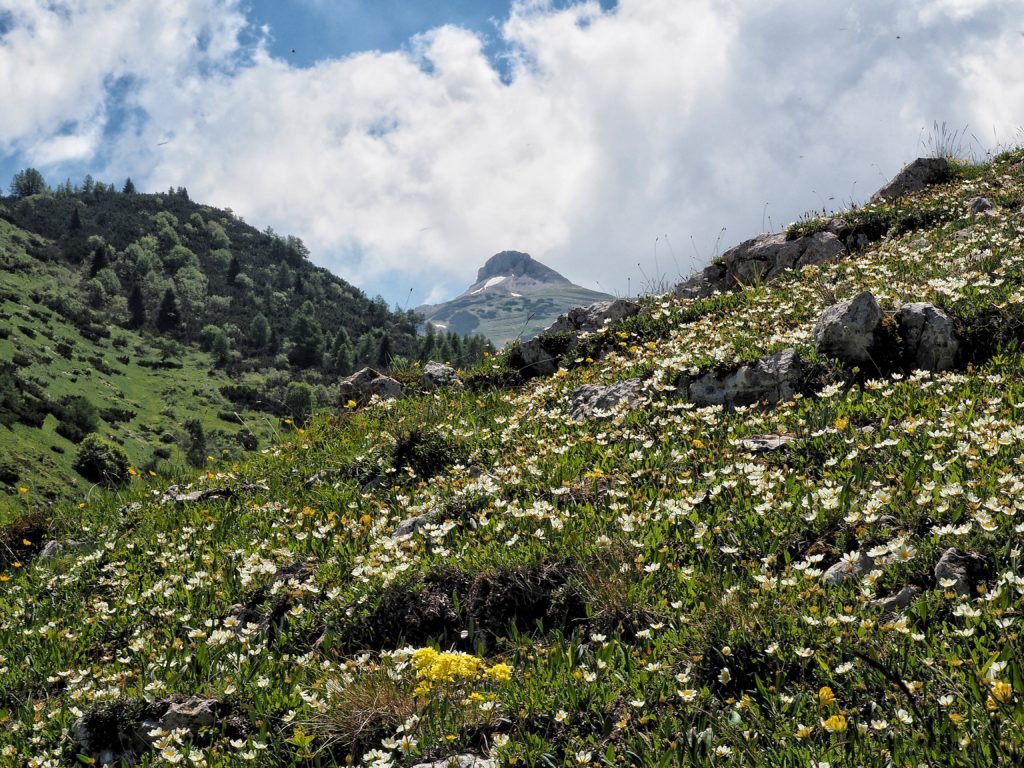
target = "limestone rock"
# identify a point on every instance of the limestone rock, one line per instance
(767, 443)
(914, 177)
(765, 257)
(848, 569)
(898, 602)
(847, 330)
(771, 379)
(929, 339)
(980, 205)
(591, 399)
(712, 279)
(541, 355)
(364, 384)
(438, 375)
(54, 549)
(460, 761)
(189, 714)
(957, 571)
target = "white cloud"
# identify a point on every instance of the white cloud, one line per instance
(609, 129)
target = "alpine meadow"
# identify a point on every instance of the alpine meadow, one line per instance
(768, 518)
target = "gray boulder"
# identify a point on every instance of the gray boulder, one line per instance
(929, 339)
(897, 603)
(767, 443)
(771, 380)
(590, 399)
(541, 355)
(714, 278)
(58, 548)
(914, 177)
(460, 761)
(980, 205)
(765, 257)
(111, 739)
(594, 316)
(963, 569)
(847, 330)
(191, 714)
(847, 570)
(364, 384)
(437, 376)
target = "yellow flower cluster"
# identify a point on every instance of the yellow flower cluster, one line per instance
(433, 667)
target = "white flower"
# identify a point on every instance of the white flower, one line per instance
(724, 676)
(561, 716)
(583, 757)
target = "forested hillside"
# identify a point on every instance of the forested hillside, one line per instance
(128, 314)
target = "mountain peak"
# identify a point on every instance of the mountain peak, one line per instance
(518, 264)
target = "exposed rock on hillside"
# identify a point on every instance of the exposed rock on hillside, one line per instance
(770, 380)
(914, 177)
(364, 384)
(438, 375)
(761, 259)
(846, 331)
(929, 340)
(542, 355)
(591, 399)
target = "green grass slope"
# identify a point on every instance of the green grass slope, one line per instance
(475, 573)
(142, 389)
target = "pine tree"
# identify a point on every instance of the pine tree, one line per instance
(129, 187)
(167, 318)
(136, 308)
(76, 220)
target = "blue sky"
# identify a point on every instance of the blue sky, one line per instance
(407, 141)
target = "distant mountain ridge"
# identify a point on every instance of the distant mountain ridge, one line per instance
(514, 296)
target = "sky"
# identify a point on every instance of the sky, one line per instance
(405, 141)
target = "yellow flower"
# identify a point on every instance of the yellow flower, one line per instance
(22, 489)
(803, 731)
(500, 673)
(1002, 692)
(842, 422)
(26, 543)
(835, 724)
(825, 696)
(698, 443)
(350, 404)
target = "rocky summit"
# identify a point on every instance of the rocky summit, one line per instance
(514, 296)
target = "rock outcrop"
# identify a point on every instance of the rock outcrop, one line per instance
(363, 385)
(542, 355)
(846, 331)
(438, 376)
(592, 400)
(770, 380)
(761, 259)
(930, 342)
(914, 177)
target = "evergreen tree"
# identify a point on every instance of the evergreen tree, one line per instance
(195, 449)
(100, 259)
(167, 319)
(136, 308)
(76, 220)
(234, 268)
(307, 339)
(28, 182)
(259, 333)
(129, 187)
(384, 351)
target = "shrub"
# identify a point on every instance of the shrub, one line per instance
(102, 462)
(78, 417)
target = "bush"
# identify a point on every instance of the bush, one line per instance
(78, 417)
(102, 462)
